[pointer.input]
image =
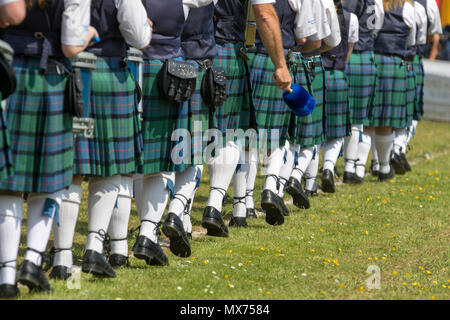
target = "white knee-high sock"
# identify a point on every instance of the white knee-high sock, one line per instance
(363, 153)
(10, 224)
(156, 191)
(42, 209)
(187, 214)
(411, 131)
(103, 192)
(137, 191)
(304, 159)
(376, 162)
(221, 169)
(275, 162)
(186, 183)
(384, 146)
(251, 169)
(64, 232)
(331, 152)
(401, 136)
(292, 151)
(239, 187)
(312, 170)
(351, 146)
(118, 226)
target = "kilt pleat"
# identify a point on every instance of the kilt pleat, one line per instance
(117, 144)
(338, 109)
(311, 129)
(362, 82)
(411, 93)
(420, 77)
(389, 106)
(6, 164)
(235, 112)
(40, 131)
(271, 112)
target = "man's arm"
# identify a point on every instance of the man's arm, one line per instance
(435, 39)
(269, 30)
(12, 12)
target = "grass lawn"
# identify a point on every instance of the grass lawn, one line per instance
(402, 227)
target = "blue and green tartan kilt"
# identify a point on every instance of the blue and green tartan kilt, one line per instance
(160, 119)
(312, 128)
(361, 73)
(420, 78)
(338, 109)
(6, 165)
(116, 147)
(235, 112)
(411, 93)
(389, 106)
(271, 112)
(40, 129)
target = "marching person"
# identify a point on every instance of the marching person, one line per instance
(114, 154)
(389, 109)
(41, 132)
(312, 129)
(230, 24)
(338, 109)
(361, 72)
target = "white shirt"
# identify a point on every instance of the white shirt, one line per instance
(434, 26)
(75, 22)
(353, 32)
(327, 23)
(421, 22)
(188, 4)
(378, 18)
(133, 25)
(305, 22)
(409, 17)
(262, 1)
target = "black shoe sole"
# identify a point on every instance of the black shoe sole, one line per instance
(398, 167)
(298, 199)
(32, 285)
(178, 245)
(274, 214)
(96, 270)
(328, 186)
(214, 227)
(147, 255)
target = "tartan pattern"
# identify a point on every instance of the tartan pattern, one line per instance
(6, 167)
(271, 112)
(235, 112)
(40, 131)
(338, 109)
(117, 144)
(362, 82)
(389, 107)
(410, 93)
(420, 78)
(311, 129)
(161, 118)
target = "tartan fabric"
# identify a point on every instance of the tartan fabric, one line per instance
(271, 112)
(362, 82)
(389, 107)
(338, 109)
(6, 167)
(235, 112)
(161, 118)
(117, 144)
(311, 129)
(420, 77)
(40, 131)
(411, 93)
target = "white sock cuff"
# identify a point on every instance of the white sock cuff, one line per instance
(126, 187)
(55, 196)
(11, 206)
(100, 182)
(385, 139)
(72, 194)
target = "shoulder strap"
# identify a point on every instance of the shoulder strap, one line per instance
(250, 27)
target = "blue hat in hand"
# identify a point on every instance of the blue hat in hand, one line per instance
(299, 101)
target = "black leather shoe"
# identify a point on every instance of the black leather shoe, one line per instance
(270, 203)
(33, 277)
(213, 222)
(60, 273)
(405, 162)
(328, 181)
(397, 163)
(117, 260)
(8, 291)
(174, 229)
(238, 222)
(151, 252)
(294, 188)
(374, 172)
(95, 263)
(352, 178)
(386, 176)
(251, 213)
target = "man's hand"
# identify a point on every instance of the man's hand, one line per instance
(282, 78)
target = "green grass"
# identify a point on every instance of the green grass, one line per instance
(400, 226)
